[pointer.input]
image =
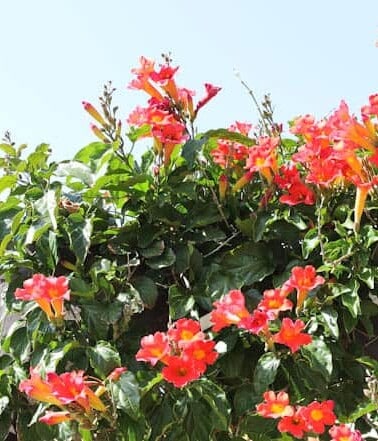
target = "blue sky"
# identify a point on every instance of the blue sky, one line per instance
(308, 54)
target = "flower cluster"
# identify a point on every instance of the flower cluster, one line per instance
(231, 310)
(71, 392)
(184, 350)
(340, 150)
(304, 420)
(48, 292)
(169, 108)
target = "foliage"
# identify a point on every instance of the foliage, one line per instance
(145, 242)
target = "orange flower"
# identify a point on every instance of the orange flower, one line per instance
(274, 301)
(290, 335)
(48, 292)
(304, 280)
(275, 405)
(318, 415)
(72, 387)
(38, 389)
(185, 331)
(230, 310)
(344, 433)
(51, 418)
(154, 348)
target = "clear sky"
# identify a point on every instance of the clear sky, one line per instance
(55, 53)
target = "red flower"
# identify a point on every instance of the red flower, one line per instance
(344, 433)
(275, 405)
(256, 322)
(274, 301)
(185, 331)
(38, 389)
(304, 280)
(116, 373)
(61, 390)
(201, 351)
(318, 415)
(72, 387)
(230, 310)
(181, 370)
(297, 192)
(294, 424)
(211, 91)
(154, 348)
(290, 334)
(48, 292)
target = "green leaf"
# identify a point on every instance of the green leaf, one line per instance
(79, 230)
(245, 399)
(136, 133)
(310, 242)
(371, 363)
(7, 182)
(319, 356)
(147, 290)
(362, 409)
(103, 358)
(229, 136)
(242, 266)
(216, 399)
(165, 260)
(125, 393)
(20, 344)
(8, 149)
(265, 372)
(153, 250)
(191, 149)
(47, 207)
(91, 152)
(5, 424)
(329, 320)
(351, 300)
(180, 302)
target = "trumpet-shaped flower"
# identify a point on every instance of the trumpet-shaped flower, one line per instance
(318, 415)
(185, 331)
(291, 335)
(230, 310)
(294, 424)
(275, 405)
(181, 370)
(48, 292)
(304, 280)
(344, 433)
(154, 348)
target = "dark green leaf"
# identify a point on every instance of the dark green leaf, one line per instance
(147, 290)
(190, 150)
(265, 372)
(125, 393)
(180, 302)
(166, 259)
(103, 358)
(319, 356)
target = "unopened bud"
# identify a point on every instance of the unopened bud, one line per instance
(99, 133)
(94, 113)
